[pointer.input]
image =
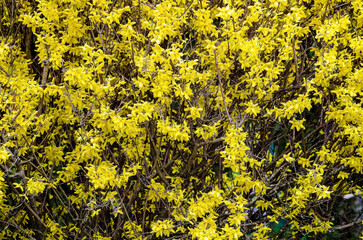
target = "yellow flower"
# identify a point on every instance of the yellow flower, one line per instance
(35, 186)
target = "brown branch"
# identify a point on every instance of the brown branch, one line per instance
(6, 73)
(157, 162)
(220, 86)
(44, 84)
(295, 61)
(347, 225)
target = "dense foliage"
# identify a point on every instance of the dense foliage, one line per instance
(183, 119)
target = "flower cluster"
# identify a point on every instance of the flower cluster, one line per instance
(181, 119)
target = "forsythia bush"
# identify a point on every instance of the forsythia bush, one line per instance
(180, 119)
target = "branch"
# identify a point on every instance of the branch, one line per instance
(6, 73)
(220, 86)
(347, 225)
